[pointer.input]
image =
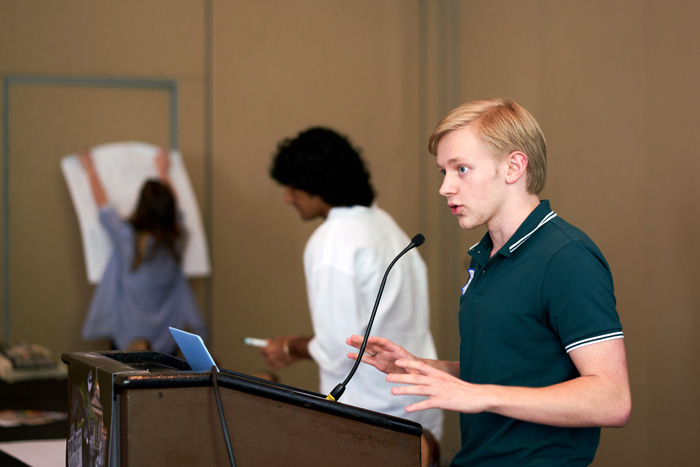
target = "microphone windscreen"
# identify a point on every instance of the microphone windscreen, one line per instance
(418, 240)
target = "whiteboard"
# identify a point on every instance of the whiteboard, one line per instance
(123, 168)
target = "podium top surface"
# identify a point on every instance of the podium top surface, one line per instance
(133, 370)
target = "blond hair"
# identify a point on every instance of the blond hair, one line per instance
(504, 127)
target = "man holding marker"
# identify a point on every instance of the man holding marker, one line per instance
(344, 260)
(542, 361)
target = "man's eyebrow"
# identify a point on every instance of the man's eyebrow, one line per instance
(450, 161)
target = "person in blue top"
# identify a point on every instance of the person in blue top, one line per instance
(542, 364)
(143, 290)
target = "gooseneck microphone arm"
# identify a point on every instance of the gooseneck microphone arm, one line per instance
(338, 391)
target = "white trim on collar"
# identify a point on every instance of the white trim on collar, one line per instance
(546, 219)
(517, 244)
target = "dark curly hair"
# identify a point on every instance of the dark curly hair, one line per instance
(322, 162)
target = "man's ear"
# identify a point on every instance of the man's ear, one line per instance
(517, 165)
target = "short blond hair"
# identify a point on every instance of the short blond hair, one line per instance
(504, 127)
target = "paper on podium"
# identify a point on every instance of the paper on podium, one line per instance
(123, 168)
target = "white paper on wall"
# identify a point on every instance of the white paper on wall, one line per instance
(123, 168)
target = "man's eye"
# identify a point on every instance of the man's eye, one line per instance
(462, 169)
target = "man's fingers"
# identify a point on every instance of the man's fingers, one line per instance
(408, 378)
(422, 405)
(412, 366)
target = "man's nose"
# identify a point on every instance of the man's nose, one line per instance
(447, 187)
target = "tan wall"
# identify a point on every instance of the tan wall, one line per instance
(613, 84)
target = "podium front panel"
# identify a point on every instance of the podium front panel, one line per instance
(180, 426)
(156, 412)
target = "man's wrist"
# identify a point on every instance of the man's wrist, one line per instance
(296, 347)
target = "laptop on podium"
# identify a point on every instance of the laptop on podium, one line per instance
(193, 348)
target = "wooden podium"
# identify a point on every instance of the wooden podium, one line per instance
(147, 408)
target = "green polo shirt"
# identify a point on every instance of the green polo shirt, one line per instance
(546, 292)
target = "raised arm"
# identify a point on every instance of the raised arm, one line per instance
(98, 191)
(162, 162)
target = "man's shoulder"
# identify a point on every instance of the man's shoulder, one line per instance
(367, 229)
(343, 231)
(357, 220)
(567, 233)
(563, 246)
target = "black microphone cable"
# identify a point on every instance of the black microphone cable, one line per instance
(338, 391)
(222, 418)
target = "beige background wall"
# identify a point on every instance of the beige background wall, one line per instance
(612, 83)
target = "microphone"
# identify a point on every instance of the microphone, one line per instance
(338, 391)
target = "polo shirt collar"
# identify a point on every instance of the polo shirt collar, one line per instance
(537, 218)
